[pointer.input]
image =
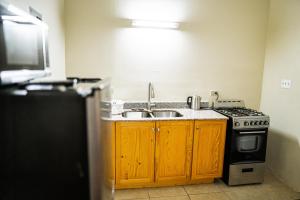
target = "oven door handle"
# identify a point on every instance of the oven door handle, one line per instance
(252, 132)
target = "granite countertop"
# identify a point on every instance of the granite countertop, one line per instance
(188, 114)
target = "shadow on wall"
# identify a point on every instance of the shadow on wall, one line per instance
(283, 158)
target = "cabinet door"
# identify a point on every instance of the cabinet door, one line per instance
(208, 149)
(134, 153)
(174, 140)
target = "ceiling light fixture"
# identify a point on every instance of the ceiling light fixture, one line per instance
(155, 24)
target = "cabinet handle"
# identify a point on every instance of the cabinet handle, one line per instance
(158, 129)
(153, 129)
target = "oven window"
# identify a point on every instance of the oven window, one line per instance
(249, 143)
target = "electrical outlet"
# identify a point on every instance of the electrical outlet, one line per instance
(214, 93)
(286, 84)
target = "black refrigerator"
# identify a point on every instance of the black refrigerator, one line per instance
(55, 141)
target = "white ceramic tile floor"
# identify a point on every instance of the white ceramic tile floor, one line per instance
(271, 189)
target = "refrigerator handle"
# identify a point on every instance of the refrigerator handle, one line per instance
(80, 170)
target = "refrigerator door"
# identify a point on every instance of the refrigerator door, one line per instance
(43, 150)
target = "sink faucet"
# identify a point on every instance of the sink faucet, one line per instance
(150, 95)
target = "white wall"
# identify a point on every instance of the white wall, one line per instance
(53, 15)
(283, 105)
(220, 46)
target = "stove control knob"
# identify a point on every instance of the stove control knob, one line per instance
(246, 123)
(237, 124)
(252, 123)
(256, 123)
(266, 123)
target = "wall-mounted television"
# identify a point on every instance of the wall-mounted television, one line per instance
(23, 46)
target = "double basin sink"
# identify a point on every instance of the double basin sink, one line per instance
(152, 114)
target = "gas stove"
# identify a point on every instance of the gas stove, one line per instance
(242, 117)
(246, 142)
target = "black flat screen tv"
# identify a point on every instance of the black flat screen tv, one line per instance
(23, 46)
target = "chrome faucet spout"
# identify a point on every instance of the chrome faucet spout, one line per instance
(151, 95)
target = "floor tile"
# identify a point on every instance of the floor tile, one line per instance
(171, 198)
(210, 196)
(243, 192)
(243, 195)
(167, 192)
(276, 186)
(279, 192)
(260, 192)
(139, 199)
(296, 196)
(239, 188)
(131, 194)
(202, 188)
(271, 189)
(271, 180)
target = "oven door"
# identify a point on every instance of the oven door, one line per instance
(249, 146)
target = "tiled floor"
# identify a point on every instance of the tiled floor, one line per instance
(271, 189)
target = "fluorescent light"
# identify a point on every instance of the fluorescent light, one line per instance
(155, 24)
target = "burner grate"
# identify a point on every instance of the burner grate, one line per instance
(240, 112)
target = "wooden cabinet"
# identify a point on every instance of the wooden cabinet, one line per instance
(161, 153)
(134, 153)
(173, 151)
(208, 149)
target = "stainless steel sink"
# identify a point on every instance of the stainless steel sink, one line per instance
(136, 114)
(166, 113)
(154, 114)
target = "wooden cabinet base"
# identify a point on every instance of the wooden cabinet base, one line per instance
(191, 182)
(168, 153)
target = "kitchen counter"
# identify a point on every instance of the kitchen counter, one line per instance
(158, 152)
(188, 114)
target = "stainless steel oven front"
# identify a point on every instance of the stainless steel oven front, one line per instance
(248, 146)
(247, 156)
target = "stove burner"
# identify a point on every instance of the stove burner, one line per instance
(239, 112)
